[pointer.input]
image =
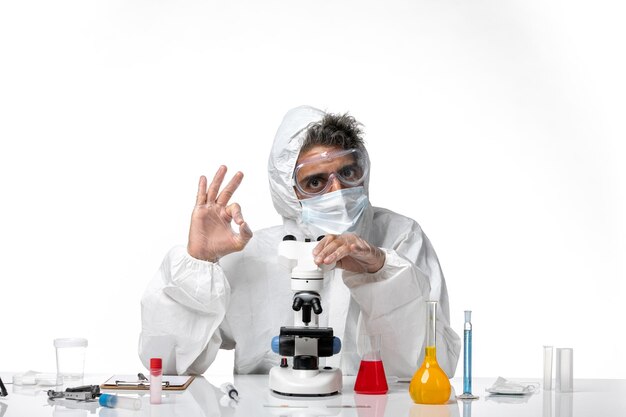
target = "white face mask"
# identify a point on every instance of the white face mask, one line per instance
(334, 213)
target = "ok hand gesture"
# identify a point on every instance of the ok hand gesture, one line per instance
(210, 234)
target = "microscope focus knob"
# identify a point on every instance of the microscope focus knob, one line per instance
(275, 344)
(336, 345)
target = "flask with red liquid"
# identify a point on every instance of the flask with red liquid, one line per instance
(371, 378)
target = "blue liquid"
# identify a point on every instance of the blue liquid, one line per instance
(467, 362)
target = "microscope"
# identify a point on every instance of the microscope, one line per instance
(305, 341)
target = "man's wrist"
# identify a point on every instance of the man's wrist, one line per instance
(202, 256)
(383, 257)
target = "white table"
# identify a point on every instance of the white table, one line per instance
(591, 397)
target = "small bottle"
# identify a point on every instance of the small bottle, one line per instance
(156, 377)
(118, 401)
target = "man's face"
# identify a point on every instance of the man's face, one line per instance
(324, 169)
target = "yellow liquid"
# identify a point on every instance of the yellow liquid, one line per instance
(430, 384)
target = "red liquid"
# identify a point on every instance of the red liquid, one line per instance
(371, 378)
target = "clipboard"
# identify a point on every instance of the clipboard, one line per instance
(132, 382)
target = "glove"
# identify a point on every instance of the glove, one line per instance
(210, 234)
(350, 252)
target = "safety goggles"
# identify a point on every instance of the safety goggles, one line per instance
(315, 175)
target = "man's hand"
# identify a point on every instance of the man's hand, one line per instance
(210, 234)
(350, 252)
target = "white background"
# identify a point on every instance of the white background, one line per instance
(497, 125)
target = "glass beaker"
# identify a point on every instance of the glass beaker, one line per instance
(430, 384)
(70, 352)
(371, 378)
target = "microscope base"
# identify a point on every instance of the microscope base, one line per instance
(288, 381)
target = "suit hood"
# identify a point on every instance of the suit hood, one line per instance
(282, 161)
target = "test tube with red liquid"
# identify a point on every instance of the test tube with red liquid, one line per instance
(371, 378)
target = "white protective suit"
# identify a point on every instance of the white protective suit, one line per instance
(192, 308)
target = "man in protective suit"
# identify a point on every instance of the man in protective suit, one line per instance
(228, 290)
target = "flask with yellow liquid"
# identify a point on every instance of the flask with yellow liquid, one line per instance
(430, 384)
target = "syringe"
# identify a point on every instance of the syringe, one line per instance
(230, 390)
